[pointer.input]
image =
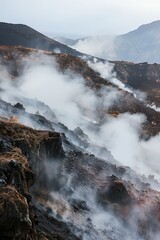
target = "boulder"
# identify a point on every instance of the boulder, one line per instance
(114, 192)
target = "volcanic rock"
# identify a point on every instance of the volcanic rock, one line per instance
(114, 192)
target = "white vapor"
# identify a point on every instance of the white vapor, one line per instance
(72, 101)
(99, 46)
(105, 69)
(76, 105)
(121, 136)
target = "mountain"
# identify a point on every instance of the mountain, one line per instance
(79, 143)
(22, 35)
(140, 45)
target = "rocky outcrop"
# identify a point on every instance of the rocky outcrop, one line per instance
(24, 148)
(114, 192)
(16, 178)
(15, 222)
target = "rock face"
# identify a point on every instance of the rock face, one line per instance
(114, 192)
(16, 178)
(14, 221)
(51, 147)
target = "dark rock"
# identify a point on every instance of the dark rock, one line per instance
(30, 177)
(52, 227)
(14, 212)
(2, 182)
(28, 197)
(78, 205)
(19, 106)
(14, 165)
(51, 147)
(24, 146)
(5, 145)
(42, 121)
(80, 133)
(114, 192)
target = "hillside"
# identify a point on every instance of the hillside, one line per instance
(22, 35)
(144, 77)
(79, 156)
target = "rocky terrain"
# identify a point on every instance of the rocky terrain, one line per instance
(39, 212)
(55, 182)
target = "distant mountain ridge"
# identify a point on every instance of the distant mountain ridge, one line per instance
(22, 35)
(140, 45)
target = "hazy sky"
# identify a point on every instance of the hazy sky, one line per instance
(80, 17)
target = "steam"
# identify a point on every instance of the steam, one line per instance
(153, 106)
(7, 88)
(73, 103)
(106, 71)
(99, 46)
(121, 137)
(60, 92)
(76, 105)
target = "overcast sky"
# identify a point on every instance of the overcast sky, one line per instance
(80, 17)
